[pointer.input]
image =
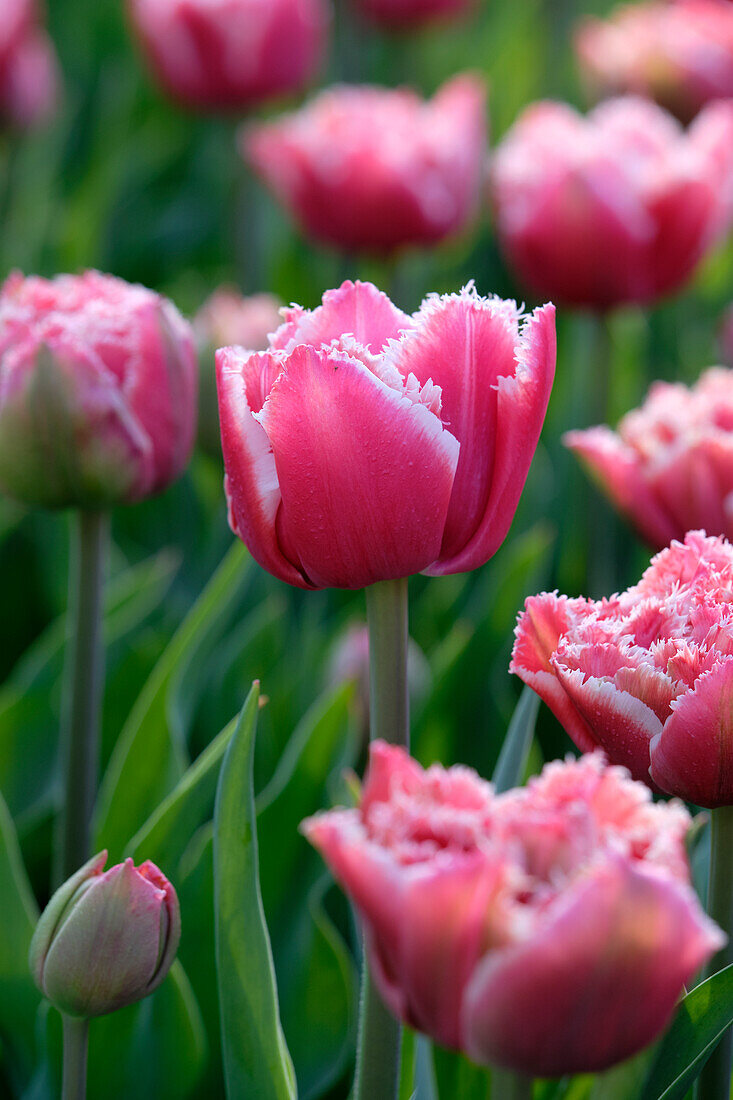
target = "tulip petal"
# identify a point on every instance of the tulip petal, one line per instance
(692, 755)
(597, 982)
(693, 482)
(365, 473)
(251, 485)
(357, 309)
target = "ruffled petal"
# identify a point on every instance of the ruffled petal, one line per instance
(357, 309)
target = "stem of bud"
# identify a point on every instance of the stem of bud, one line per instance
(76, 1044)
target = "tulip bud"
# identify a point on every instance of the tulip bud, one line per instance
(106, 938)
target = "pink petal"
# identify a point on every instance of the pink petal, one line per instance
(252, 489)
(355, 308)
(693, 483)
(390, 768)
(365, 474)
(597, 982)
(692, 756)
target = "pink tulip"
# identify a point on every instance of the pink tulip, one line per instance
(616, 207)
(231, 54)
(97, 391)
(646, 675)
(367, 445)
(407, 14)
(374, 168)
(679, 54)
(29, 76)
(106, 938)
(228, 318)
(549, 929)
(669, 467)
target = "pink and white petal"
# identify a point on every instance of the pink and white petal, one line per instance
(251, 485)
(693, 483)
(597, 981)
(521, 404)
(464, 344)
(355, 308)
(649, 684)
(618, 471)
(390, 768)
(621, 725)
(692, 755)
(365, 474)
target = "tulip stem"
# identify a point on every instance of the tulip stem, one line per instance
(76, 1044)
(714, 1081)
(378, 1048)
(84, 679)
(506, 1085)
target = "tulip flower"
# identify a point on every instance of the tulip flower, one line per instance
(231, 54)
(549, 929)
(29, 77)
(366, 445)
(616, 207)
(375, 169)
(669, 467)
(680, 54)
(97, 391)
(227, 318)
(408, 14)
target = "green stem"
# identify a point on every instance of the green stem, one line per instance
(714, 1081)
(84, 681)
(76, 1043)
(510, 1086)
(378, 1050)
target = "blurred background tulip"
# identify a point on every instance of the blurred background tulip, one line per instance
(231, 54)
(679, 54)
(29, 73)
(407, 14)
(549, 929)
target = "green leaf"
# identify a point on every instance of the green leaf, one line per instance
(19, 997)
(256, 1059)
(167, 832)
(457, 1077)
(701, 1019)
(147, 761)
(512, 762)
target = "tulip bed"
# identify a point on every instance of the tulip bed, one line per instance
(366, 680)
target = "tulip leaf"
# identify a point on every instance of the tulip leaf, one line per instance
(147, 761)
(18, 995)
(165, 835)
(701, 1019)
(256, 1058)
(512, 762)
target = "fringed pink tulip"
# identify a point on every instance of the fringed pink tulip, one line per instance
(549, 930)
(408, 14)
(227, 318)
(669, 467)
(97, 391)
(367, 445)
(377, 169)
(619, 206)
(29, 74)
(231, 54)
(647, 675)
(680, 54)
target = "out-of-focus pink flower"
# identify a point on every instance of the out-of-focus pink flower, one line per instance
(679, 54)
(726, 337)
(407, 14)
(29, 75)
(619, 206)
(366, 444)
(231, 54)
(549, 929)
(669, 467)
(106, 938)
(97, 390)
(647, 675)
(227, 318)
(377, 169)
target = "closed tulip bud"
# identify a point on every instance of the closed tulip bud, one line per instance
(29, 75)
(231, 54)
(405, 15)
(366, 445)
(616, 207)
(679, 54)
(549, 929)
(97, 391)
(646, 675)
(377, 169)
(106, 939)
(669, 466)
